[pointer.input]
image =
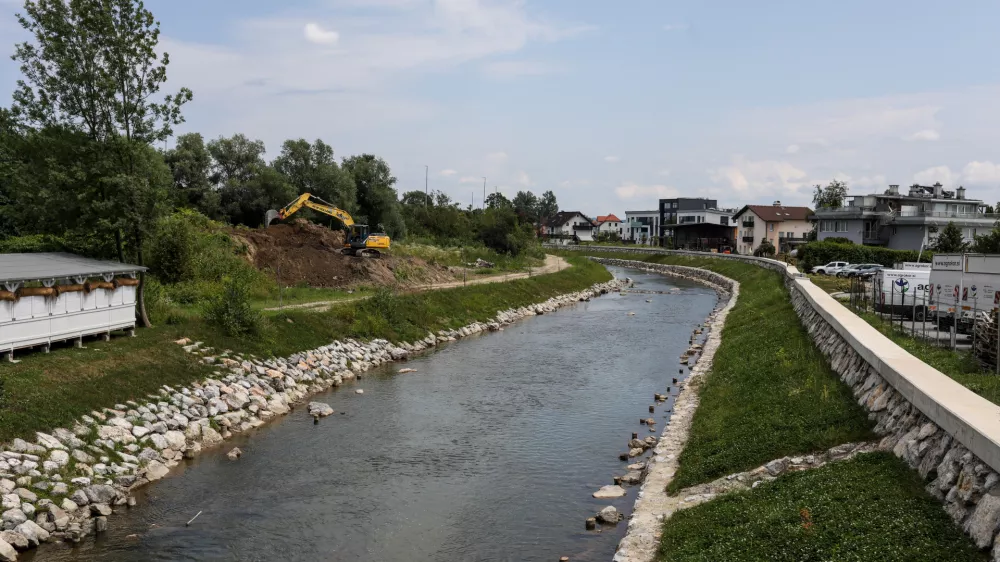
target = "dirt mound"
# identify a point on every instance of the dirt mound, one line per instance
(306, 253)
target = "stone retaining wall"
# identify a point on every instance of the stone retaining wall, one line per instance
(946, 432)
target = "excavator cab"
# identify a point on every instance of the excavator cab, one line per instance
(360, 242)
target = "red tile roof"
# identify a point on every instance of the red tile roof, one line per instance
(774, 213)
(606, 218)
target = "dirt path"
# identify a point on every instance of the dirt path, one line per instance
(552, 264)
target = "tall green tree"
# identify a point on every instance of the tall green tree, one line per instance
(548, 208)
(311, 168)
(191, 166)
(377, 198)
(830, 197)
(526, 207)
(235, 160)
(950, 240)
(988, 243)
(92, 66)
(497, 200)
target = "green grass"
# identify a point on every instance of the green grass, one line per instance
(771, 393)
(44, 391)
(831, 284)
(869, 508)
(460, 256)
(958, 365)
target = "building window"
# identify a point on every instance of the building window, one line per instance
(771, 227)
(841, 226)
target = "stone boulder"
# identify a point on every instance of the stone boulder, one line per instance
(156, 470)
(609, 492)
(13, 517)
(17, 540)
(7, 552)
(210, 437)
(99, 493)
(609, 515)
(319, 409)
(32, 532)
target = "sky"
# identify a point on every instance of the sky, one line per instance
(611, 105)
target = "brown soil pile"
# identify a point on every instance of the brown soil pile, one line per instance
(306, 253)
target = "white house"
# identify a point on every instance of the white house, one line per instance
(642, 227)
(610, 223)
(570, 226)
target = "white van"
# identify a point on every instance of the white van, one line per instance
(904, 292)
(961, 285)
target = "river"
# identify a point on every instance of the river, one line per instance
(490, 451)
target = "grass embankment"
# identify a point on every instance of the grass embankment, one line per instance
(771, 393)
(47, 391)
(869, 508)
(831, 284)
(961, 366)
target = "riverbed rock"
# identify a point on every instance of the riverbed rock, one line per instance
(319, 409)
(175, 440)
(11, 501)
(15, 539)
(99, 493)
(210, 437)
(234, 454)
(359, 391)
(69, 505)
(32, 532)
(100, 509)
(7, 552)
(60, 457)
(26, 495)
(115, 434)
(48, 441)
(609, 515)
(635, 452)
(156, 470)
(100, 524)
(610, 492)
(13, 517)
(632, 477)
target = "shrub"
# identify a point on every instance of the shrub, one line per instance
(819, 253)
(231, 311)
(172, 250)
(766, 249)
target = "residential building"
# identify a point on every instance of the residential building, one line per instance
(642, 227)
(785, 227)
(610, 224)
(689, 210)
(904, 222)
(569, 227)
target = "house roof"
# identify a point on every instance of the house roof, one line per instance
(601, 219)
(777, 213)
(563, 217)
(34, 267)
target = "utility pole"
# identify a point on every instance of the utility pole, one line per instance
(427, 195)
(484, 193)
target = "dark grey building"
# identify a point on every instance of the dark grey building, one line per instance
(672, 209)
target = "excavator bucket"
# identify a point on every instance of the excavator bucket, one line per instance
(270, 216)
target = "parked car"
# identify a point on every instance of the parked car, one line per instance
(847, 269)
(864, 270)
(831, 268)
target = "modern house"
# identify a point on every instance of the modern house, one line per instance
(904, 222)
(785, 227)
(689, 210)
(610, 224)
(642, 227)
(570, 226)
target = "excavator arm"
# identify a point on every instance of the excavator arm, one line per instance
(311, 201)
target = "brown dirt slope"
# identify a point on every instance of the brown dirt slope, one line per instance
(306, 253)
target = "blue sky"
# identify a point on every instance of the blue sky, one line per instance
(609, 104)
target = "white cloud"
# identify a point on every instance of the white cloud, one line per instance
(630, 191)
(524, 179)
(981, 174)
(470, 179)
(565, 183)
(924, 135)
(664, 172)
(612, 159)
(676, 27)
(448, 173)
(316, 34)
(941, 174)
(497, 156)
(762, 177)
(506, 70)
(792, 149)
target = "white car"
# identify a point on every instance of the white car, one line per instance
(831, 268)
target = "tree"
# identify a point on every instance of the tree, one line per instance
(832, 196)
(500, 231)
(417, 199)
(247, 202)
(311, 168)
(235, 160)
(377, 199)
(93, 67)
(950, 240)
(988, 243)
(547, 208)
(191, 166)
(766, 249)
(497, 200)
(526, 206)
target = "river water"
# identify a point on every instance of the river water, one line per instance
(490, 451)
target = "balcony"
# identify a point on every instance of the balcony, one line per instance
(747, 239)
(747, 224)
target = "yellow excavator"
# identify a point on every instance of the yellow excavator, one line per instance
(359, 241)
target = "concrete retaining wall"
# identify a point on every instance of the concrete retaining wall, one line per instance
(946, 432)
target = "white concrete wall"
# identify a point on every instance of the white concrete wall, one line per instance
(31, 321)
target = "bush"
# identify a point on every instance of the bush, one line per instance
(231, 311)
(820, 253)
(766, 249)
(172, 250)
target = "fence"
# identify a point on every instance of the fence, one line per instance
(965, 323)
